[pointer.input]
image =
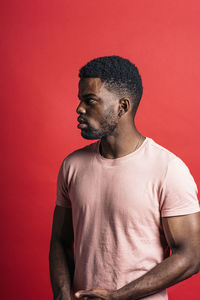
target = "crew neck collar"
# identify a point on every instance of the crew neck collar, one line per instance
(119, 160)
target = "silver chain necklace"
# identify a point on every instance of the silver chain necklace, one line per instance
(138, 143)
(100, 149)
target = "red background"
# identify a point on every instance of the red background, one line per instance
(43, 45)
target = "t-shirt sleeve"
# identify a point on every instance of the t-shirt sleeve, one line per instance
(179, 191)
(62, 197)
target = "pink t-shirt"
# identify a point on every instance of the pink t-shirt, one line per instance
(117, 206)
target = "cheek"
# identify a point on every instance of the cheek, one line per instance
(94, 123)
(95, 118)
(100, 117)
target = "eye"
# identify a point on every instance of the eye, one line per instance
(90, 100)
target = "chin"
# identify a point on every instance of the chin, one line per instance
(90, 135)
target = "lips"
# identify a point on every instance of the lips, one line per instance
(82, 123)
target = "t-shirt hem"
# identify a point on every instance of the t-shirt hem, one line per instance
(63, 203)
(169, 213)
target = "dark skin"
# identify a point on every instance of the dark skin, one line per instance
(107, 117)
(103, 110)
(61, 260)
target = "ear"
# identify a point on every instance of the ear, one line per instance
(124, 106)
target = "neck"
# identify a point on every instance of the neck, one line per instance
(122, 142)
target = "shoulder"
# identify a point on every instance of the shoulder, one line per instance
(80, 155)
(159, 150)
(165, 162)
(162, 154)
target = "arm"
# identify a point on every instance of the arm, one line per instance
(183, 236)
(61, 261)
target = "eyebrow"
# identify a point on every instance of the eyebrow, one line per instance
(87, 95)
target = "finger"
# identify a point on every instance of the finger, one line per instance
(87, 293)
(81, 294)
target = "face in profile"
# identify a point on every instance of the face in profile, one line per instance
(98, 109)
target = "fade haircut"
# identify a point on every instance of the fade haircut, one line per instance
(119, 75)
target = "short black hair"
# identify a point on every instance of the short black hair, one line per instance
(119, 75)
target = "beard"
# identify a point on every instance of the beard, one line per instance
(106, 128)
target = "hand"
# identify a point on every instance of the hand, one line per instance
(95, 294)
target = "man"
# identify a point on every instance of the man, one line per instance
(123, 200)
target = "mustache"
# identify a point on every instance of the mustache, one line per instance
(82, 120)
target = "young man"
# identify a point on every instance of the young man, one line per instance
(123, 200)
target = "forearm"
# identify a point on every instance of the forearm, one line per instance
(169, 272)
(61, 266)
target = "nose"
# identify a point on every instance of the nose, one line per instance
(81, 108)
